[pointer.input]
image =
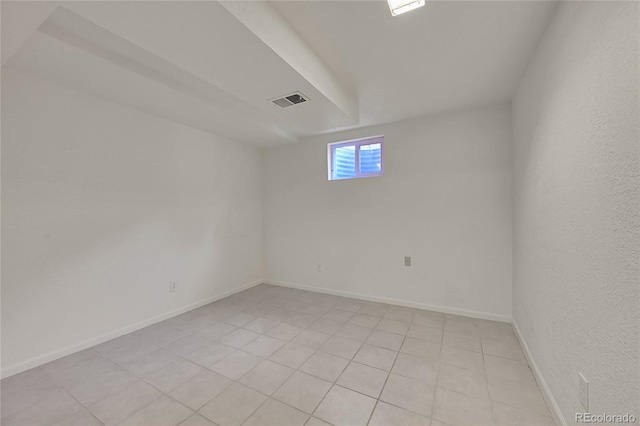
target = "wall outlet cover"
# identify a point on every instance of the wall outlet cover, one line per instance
(407, 261)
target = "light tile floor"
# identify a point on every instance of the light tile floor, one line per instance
(277, 356)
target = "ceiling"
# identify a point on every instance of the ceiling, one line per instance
(215, 65)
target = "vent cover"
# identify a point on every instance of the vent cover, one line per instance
(291, 99)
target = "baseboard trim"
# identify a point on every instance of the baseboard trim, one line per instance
(399, 302)
(52, 356)
(542, 383)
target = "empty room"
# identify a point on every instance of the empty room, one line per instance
(311, 212)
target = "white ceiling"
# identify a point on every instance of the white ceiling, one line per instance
(214, 66)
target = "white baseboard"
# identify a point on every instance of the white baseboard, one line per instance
(436, 308)
(52, 356)
(542, 383)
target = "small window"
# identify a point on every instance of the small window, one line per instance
(356, 159)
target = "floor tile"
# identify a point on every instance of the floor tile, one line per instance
(496, 330)
(341, 346)
(421, 348)
(70, 361)
(324, 366)
(93, 390)
(117, 407)
(364, 379)
(150, 362)
(217, 331)
(404, 316)
(508, 369)
(128, 353)
(197, 420)
(316, 310)
(351, 305)
(311, 339)
(209, 354)
(462, 358)
(517, 395)
(267, 377)
(236, 365)
(200, 389)
(508, 416)
(468, 382)
(342, 406)
(338, 315)
(233, 406)
(314, 421)
(81, 418)
(326, 326)
(53, 409)
(503, 349)
(280, 314)
(429, 334)
(116, 343)
(173, 376)
(240, 319)
(186, 345)
(393, 326)
(302, 391)
(275, 413)
(292, 355)
(162, 412)
(259, 310)
(284, 331)
(386, 415)
(416, 368)
(161, 334)
(375, 309)
(237, 339)
(295, 306)
(460, 325)
(263, 346)
(261, 325)
(377, 357)
(25, 389)
(83, 372)
(409, 394)
(455, 408)
(303, 320)
(429, 319)
(354, 332)
(458, 370)
(385, 340)
(462, 341)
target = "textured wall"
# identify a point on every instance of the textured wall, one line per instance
(576, 229)
(445, 200)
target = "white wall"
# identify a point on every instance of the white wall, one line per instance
(576, 229)
(445, 200)
(102, 207)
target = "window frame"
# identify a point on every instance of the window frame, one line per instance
(357, 143)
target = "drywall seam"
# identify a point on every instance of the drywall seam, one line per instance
(399, 302)
(52, 356)
(542, 383)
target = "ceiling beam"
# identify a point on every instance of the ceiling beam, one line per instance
(265, 22)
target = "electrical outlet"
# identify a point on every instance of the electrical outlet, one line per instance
(584, 391)
(407, 261)
(173, 286)
(319, 267)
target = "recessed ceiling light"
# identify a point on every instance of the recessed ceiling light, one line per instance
(401, 6)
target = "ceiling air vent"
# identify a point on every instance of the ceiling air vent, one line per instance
(292, 99)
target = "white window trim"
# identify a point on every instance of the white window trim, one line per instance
(357, 143)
